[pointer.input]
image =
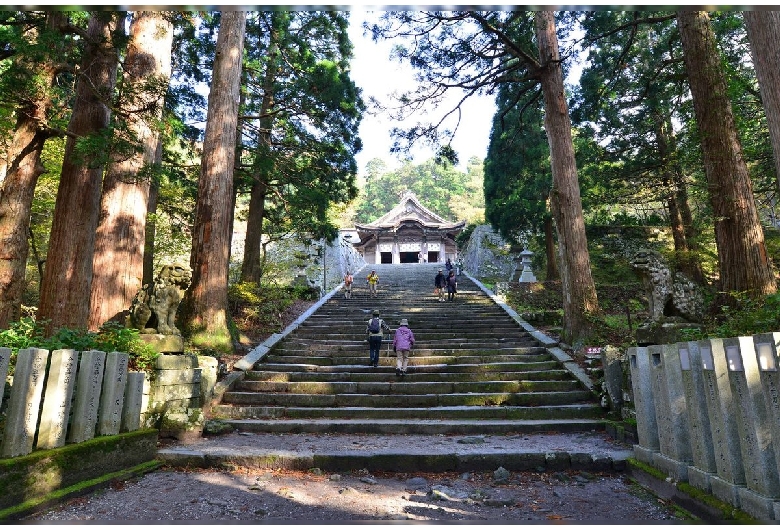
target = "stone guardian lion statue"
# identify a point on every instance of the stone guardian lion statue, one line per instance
(669, 294)
(154, 307)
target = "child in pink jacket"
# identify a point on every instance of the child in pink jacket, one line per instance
(403, 342)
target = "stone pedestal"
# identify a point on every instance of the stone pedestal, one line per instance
(164, 343)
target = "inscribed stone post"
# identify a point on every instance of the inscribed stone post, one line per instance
(135, 401)
(88, 387)
(644, 404)
(112, 397)
(755, 432)
(703, 468)
(722, 411)
(670, 410)
(57, 399)
(25, 402)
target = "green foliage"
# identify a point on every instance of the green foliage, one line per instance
(740, 316)
(29, 333)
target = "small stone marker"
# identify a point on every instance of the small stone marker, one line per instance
(112, 397)
(57, 399)
(25, 402)
(87, 401)
(136, 398)
(5, 358)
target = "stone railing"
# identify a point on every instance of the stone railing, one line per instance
(67, 396)
(708, 413)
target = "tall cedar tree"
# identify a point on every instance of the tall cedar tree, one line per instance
(579, 290)
(763, 29)
(449, 52)
(120, 239)
(32, 75)
(205, 304)
(742, 257)
(68, 273)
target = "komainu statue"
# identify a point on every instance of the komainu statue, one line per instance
(670, 294)
(153, 309)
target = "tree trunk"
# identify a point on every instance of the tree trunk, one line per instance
(120, 238)
(205, 304)
(150, 229)
(677, 202)
(579, 291)
(18, 187)
(552, 273)
(251, 270)
(68, 272)
(763, 30)
(742, 256)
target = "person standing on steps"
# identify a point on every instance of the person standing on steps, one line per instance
(348, 285)
(452, 286)
(403, 342)
(372, 280)
(440, 282)
(375, 328)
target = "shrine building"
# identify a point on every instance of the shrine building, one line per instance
(409, 233)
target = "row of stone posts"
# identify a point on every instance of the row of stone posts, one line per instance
(64, 396)
(708, 412)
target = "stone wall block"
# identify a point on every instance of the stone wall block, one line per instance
(58, 398)
(112, 397)
(25, 401)
(89, 384)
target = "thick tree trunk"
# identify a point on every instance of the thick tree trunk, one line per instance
(763, 30)
(742, 256)
(17, 188)
(579, 291)
(549, 248)
(205, 304)
(150, 230)
(120, 238)
(251, 269)
(68, 273)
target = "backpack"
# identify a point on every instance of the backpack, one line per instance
(374, 326)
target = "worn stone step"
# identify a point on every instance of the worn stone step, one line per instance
(407, 400)
(457, 349)
(405, 387)
(382, 374)
(418, 359)
(417, 426)
(549, 412)
(388, 364)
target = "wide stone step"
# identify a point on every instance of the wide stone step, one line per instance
(407, 400)
(416, 426)
(419, 358)
(377, 375)
(355, 348)
(549, 412)
(385, 362)
(406, 387)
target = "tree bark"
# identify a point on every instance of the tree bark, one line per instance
(579, 290)
(742, 256)
(150, 230)
(251, 269)
(205, 304)
(120, 238)
(763, 30)
(68, 272)
(18, 187)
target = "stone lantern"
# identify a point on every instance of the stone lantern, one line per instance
(527, 275)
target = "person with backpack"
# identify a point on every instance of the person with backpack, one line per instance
(348, 285)
(452, 286)
(440, 283)
(403, 342)
(375, 328)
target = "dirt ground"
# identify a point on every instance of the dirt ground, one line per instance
(313, 497)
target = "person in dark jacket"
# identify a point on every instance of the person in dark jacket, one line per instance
(440, 283)
(403, 342)
(452, 286)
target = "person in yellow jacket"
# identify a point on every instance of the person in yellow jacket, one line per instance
(372, 280)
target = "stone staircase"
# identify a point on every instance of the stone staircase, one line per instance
(474, 370)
